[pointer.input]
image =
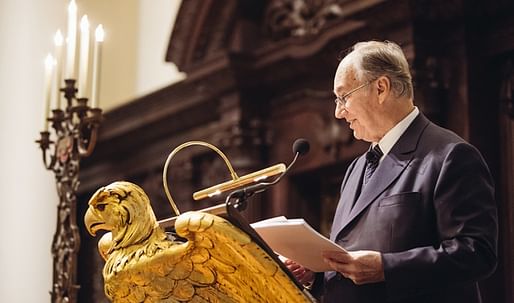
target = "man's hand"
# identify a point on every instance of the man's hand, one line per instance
(362, 266)
(302, 274)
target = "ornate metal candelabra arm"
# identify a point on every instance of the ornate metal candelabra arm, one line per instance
(44, 143)
(75, 131)
(57, 119)
(91, 124)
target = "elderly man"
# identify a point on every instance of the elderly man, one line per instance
(416, 213)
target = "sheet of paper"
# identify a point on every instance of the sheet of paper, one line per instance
(295, 239)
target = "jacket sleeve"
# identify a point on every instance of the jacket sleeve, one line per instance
(466, 221)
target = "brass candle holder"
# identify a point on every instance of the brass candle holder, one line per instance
(75, 130)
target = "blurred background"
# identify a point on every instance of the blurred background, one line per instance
(249, 77)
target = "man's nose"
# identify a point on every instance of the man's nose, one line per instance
(340, 112)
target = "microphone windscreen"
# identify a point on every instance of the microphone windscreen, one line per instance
(301, 146)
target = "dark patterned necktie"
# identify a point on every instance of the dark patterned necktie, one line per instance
(372, 159)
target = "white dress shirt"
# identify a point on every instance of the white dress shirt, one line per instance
(391, 137)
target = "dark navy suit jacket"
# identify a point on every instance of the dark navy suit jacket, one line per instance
(429, 208)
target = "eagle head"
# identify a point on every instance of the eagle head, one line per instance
(124, 209)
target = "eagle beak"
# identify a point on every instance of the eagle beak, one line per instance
(93, 222)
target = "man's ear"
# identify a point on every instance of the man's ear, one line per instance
(383, 86)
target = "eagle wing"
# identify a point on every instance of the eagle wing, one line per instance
(240, 268)
(218, 263)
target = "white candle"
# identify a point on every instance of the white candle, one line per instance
(84, 55)
(58, 41)
(71, 40)
(97, 58)
(49, 66)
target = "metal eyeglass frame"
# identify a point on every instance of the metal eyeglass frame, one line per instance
(343, 100)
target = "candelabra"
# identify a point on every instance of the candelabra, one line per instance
(75, 131)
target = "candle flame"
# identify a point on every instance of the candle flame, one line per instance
(58, 38)
(72, 7)
(99, 33)
(49, 62)
(84, 24)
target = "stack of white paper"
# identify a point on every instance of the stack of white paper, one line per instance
(296, 240)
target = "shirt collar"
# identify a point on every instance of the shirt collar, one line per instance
(391, 137)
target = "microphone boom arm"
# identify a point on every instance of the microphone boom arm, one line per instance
(244, 193)
(300, 147)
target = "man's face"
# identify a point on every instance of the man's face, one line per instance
(360, 110)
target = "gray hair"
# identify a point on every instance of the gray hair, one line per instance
(373, 59)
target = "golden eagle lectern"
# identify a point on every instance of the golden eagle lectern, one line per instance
(218, 262)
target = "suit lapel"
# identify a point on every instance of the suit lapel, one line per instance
(348, 196)
(387, 172)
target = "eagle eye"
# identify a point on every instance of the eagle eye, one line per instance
(100, 207)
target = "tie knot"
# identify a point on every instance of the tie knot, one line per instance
(374, 154)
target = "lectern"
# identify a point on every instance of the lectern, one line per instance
(213, 258)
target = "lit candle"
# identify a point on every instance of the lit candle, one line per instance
(58, 41)
(97, 58)
(49, 66)
(84, 55)
(71, 40)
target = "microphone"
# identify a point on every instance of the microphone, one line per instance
(300, 147)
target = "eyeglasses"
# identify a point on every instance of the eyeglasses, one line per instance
(342, 100)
